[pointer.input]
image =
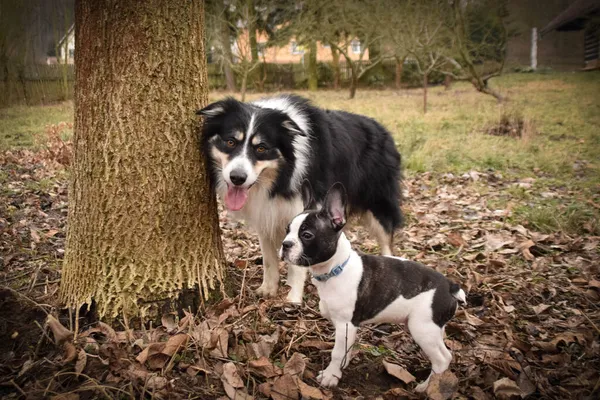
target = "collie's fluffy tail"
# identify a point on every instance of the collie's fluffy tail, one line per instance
(458, 293)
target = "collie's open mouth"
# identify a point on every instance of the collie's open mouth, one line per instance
(236, 197)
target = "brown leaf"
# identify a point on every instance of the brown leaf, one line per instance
(524, 382)
(232, 383)
(156, 382)
(399, 372)
(471, 319)
(220, 339)
(399, 393)
(456, 240)
(265, 388)
(61, 334)
(70, 352)
(442, 386)
(231, 375)
(478, 394)
(309, 392)
(284, 388)
(524, 247)
(157, 361)
(495, 242)
(153, 348)
(34, 235)
(81, 362)
(175, 344)
(108, 331)
(264, 367)
(506, 388)
(295, 365)
(317, 344)
(169, 322)
(540, 308)
(264, 346)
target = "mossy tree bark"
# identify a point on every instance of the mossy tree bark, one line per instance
(143, 224)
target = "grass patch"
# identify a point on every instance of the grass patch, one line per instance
(23, 126)
(574, 218)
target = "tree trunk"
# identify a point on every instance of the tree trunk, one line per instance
(252, 30)
(335, 55)
(399, 68)
(313, 77)
(353, 78)
(226, 44)
(425, 93)
(244, 84)
(143, 224)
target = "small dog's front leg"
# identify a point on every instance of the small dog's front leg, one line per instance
(296, 279)
(345, 334)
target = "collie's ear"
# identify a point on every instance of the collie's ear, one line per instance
(218, 108)
(335, 206)
(308, 200)
(291, 127)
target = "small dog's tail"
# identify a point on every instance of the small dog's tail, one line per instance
(458, 293)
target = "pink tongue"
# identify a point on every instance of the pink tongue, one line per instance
(236, 198)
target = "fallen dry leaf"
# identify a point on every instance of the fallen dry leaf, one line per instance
(233, 384)
(506, 388)
(264, 367)
(295, 365)
(81, 362)
(284, 388)
(61, 334)
(175, 344)
(169, 322)
(398, 372)
(317, 344)
(309, 392)
(151, 349)
(442, 386)
(540, 308)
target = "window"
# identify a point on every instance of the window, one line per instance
(355, 46)
(326, 45)
(260, 47)
(296, 49)
(71, 53)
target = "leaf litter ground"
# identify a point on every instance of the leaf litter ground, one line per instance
(530, 329)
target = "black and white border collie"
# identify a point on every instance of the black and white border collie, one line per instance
(261, 152)
(359, 289)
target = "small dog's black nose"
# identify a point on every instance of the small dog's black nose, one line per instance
(238, 177)
(287, 244)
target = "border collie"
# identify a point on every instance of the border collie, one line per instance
(356, 289)
(261, 152)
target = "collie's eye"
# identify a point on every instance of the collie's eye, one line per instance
(230, 143)
(307, 235)
(261, 149)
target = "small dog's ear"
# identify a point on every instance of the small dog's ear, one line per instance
(308, 200)
(291, 127)
(335, 206)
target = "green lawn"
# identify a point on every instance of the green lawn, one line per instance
(560, 145)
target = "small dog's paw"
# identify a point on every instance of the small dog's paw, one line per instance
(328, 378)
(267, 290)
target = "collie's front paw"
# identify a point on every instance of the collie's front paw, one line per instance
(329, 377)
(422, 387)
(266, 290)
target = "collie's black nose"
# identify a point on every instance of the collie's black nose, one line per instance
(238, 177)
(287, 244)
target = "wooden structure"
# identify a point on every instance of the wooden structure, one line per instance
(581, 15)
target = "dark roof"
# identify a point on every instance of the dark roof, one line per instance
(573, 18)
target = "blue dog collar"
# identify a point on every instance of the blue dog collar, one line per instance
(334, 272)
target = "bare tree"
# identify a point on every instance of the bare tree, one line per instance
(479, 39)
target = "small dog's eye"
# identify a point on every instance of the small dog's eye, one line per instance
(307, 235)
(261, 149)
(230, 143)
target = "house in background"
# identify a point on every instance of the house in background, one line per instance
(291, 52)
(581, 15)
(66, 49)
